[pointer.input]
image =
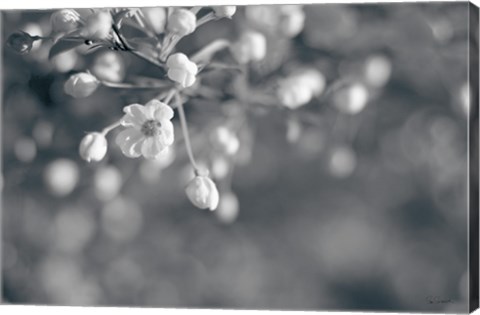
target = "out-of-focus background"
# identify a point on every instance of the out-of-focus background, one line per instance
(350, 211)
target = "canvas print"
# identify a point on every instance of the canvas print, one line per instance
(282, 157)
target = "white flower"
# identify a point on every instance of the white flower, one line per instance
(64, 21)
(181, 69)
(182, 22)
(93, 147)
(149, 131)
(225, 10)
(156, 18)
(203, 192)
(98, 25)
(251, 46)
(81, 85)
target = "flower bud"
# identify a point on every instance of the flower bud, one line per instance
(181, 69)
(93, 147)
(20, 42)
(156, 18)
(64, 21)
(98, 25)
(182, 22)
(351, 99)
(224, 10)
(251, 46)
(203, 192)
(81, 85)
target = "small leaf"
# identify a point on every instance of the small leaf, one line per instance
(62, 46)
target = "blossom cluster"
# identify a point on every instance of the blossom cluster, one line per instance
(149, 130)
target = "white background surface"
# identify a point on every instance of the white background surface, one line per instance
(44, 310)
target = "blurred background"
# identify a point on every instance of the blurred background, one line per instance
(342, 204)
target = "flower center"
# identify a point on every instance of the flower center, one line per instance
(151, 128)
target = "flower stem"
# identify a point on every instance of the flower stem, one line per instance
(195, 10)
(183, 123)
(207, 18)
(109, 128)
(137, 53)
(169, 96)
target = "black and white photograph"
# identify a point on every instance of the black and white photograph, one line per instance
(307, 157)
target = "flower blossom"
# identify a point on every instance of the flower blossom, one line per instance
(181, 69)
(203, 192)
(149, 130)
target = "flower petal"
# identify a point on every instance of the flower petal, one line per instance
(152, 147)
(163, 112)
(130, 141)
(151, 107)
(167, 135)
(134, 115)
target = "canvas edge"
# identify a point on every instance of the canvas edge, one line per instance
(473, 159)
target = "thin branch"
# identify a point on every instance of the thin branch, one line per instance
(183, 123)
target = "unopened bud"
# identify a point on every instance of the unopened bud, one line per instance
(156, 18)
(64, 21)
(181, 69)
(182, 22)
(93, 147)
(20, 42)
(81, 85)
(98, 25)
(203, 193)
